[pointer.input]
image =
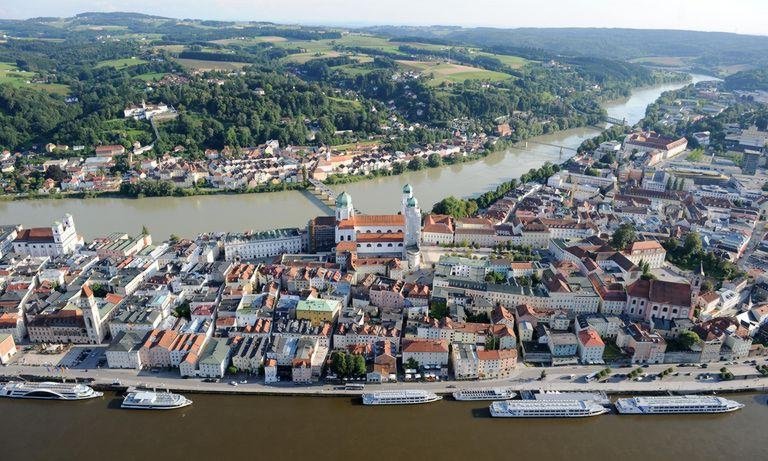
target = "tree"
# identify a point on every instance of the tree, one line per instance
(411, 364)
(707, 286)
(183, 311)
(144, 230)
(417, 163)
(438, 309)
(359, 368)
(434, 160)
(692, 244)
(458, 208)
(623, 236)
(688, 339)
(339, 363)
(56, 173)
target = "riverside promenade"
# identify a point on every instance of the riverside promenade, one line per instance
(569, 378)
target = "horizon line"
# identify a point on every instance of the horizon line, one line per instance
(366, 24)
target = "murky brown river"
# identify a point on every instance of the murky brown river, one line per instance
(301, 428)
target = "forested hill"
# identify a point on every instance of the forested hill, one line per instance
(748, 80)
(706, 50)
(68, 81)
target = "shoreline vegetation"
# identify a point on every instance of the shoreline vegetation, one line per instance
(163, 188)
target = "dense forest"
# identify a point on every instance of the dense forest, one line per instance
(748, 80)
(67, 81)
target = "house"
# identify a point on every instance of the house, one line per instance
(563, 347)
(318, 311)
(496, 364)
(7, 348)
(641, 345)
(427, 353)
(248, 353)
(384, 366)
(648, 251)
(214, 358)
(270, 371)
(109, 151)
(124, 350)
(437, 230)
(591, 346)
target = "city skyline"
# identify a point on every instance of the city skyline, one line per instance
(707, 15)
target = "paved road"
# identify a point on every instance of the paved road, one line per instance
(524, 378)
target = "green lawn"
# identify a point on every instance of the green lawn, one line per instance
(196, 64)
(250, 40)
(12, 75)
(514, 62)
(121, 63)
(452, 73)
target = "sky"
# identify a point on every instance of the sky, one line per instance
(739, 16)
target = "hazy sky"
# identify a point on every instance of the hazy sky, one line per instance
(741, 16)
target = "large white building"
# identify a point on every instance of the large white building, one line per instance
(254, 245)
(59, 239)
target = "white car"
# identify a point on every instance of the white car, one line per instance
(233, 383)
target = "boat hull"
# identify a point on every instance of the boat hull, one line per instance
(507, 415)
(401, 403)
(155, 407)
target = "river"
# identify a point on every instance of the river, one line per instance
(324, 429)
(188, 216)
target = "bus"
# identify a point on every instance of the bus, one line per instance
(591, 377)
(354, 387)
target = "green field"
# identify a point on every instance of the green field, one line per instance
(121, 63)
(661, 61)
(170, 48)
(514, 62)
(452, 73)
(249, 40)
(196, 64)
(12, 75)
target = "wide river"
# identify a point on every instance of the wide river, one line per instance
(324, 429)
(189, 216)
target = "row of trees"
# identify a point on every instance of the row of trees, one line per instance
(345, 364)
(462, 208)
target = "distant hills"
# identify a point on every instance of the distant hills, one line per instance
(716, 52)
(712, 52)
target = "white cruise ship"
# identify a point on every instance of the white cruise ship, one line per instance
(149, 400)
(406, 397)
(47, 390)
(676, 405)
(546, 409)
(494, 393)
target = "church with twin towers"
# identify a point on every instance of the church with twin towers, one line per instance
(380, 236)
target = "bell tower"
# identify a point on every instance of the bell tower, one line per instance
(91, 315)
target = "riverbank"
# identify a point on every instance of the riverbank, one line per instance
(563, 379)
